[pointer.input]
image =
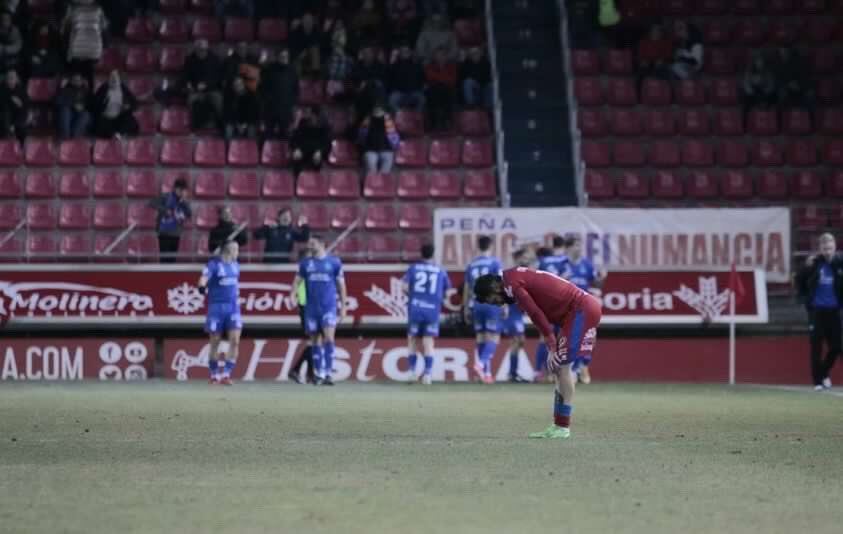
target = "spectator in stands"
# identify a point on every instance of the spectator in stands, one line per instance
(310, 141)
(14, 108)
(280, 236)
(338, 71)
(369, 80)
(118, 13)
(333, 32)
(428, 8)
(173, 211)
(820, 284)
(583, 16)
(250, 68)
(378, 140)
(793, 79)
(44, 59)
(237, 8)
(241, 111)
(476, 79)
(688, 54)
(19, 9)
(655, 52)
(465, 9)
(201, 83)
(403, 20)
(305, 45)
(279, 94)
(224, 231)
(83, 28)
(406, 80)
(758, 89)
(437, 34)
(441, 76)
(11, 44)
(113, 109)
(367, 24)
(72, 107)
(232, 62)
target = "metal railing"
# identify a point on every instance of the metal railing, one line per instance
(576, 136)
(502, 165)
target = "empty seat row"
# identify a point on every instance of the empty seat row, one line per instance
(686, 8)
(707, 185)
(799, 152)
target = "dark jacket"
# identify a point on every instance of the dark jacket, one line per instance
(205, 70)
(98, 104)
(374, 71)
(73, 97)
(219, 235)
(279, 85)
(406, 76)
(479, 71)
(172, 213)
(241, 109)
(280, 240)
(808, 278)
(309, 138)
(18, 111)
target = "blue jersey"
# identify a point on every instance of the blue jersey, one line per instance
(427, 283)
(478, 267)
(321, 276)
(581, 274)
(223, 281)
(557, 264)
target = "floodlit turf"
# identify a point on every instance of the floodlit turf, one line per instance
(165, 457)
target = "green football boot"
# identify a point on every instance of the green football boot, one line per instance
(552, 432)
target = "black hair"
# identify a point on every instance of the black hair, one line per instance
(484, 243)
(543, 252)
(571, 240)
(427, 251)
(285, 209)
(559, 241)
(518, 254)
(180, 183)
(485, 287)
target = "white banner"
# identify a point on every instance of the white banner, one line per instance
(628, 239)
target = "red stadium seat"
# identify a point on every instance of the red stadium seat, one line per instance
(344, 215)
(590, 122)
(343, 154)
(209, 184)
(772, 184)
(383, 248)
(10, 215)
(206, 28)
(202, 6)
(413, 185)
(835, 184)
(11, 154)
(416, 218)
(272, 30)
(767, 153)
(75, 152)
(836, 217)
(781, 32)
(41, 216)
(108, 184)
(659, 122)
(244, 185)
(172, 6)
(109, 215)
(693, 122)
(690, 93)
(588, 91)
(807, 185)
(719, 61)
(139, 60)
(633, 186)
(717, 33)
(171, 59)
(75, 216)
(311, 92)
(622, 92)
(239, 29)
(312, 185)
(828, 90)
(820, 30)
(41, 246)
(697, 153)
(825, 60)
(381, 217)
(833, 154)
(629, 154)
(763, 122)
(477, 153)
(172, 30)
(205, 216)
(141, 152)
(74, 184)
(619, 62)
(656, 93)
(75, 245)
(147, 121)
(41, 90)
(242, 212)
(625, 122)
(732, 154)
(474, 123)
(667, 185)
(10, 186)
(141, 183)
(831, 121)
(39, 152)
(724, 92)
(665, 153)
(811, 218)
(242, 153)
(748, 32)
(40, 185)
(209, 152)
(445, 185)
(102, 241)
(444, 152)
(278, 185)
(175, 121)
(411, 247)
(143, 87)
(736, 185)
(599, 185)
(780, 7)
(713, 7)
(379, 186)
(469, 32)
(728, 121)
(412, 153)
(108, 152)
(177, 152)
(111, 59)
(340, 120)
(680, 8)
(274, 154)
(140, 214)
(802, 153)
(344, 184)
(702, 185)
(317, 215)
(585, 62)
(797, 122)
(596, 154)
(409, 123)
(168, 179)
(480, 185)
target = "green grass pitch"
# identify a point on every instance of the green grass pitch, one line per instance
(166, 457)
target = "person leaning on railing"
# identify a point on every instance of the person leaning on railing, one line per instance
(173, 211)
(281, 235)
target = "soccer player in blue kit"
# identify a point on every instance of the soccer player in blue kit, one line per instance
(581, 273)
(324, 282)
(486, 318)
(556, 263)
(220, 280)
(425, 284)
(513, 324)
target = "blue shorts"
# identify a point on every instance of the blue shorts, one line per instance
(223, 318)
(487, 318)
(513, 326)
(315, 322)
(422, 323)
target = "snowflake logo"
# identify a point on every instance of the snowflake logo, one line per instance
(708, 301)
(395, 302)
(185, 299)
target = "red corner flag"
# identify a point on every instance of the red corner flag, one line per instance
(736, 285)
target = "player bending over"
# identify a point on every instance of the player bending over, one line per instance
(323, 278)
(513, 324)
(486, 318)
(581, 273)
(555, 262)
(220, 280)
(566, 316)
(425, 284)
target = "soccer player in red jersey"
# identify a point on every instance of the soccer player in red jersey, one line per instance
(567, 318)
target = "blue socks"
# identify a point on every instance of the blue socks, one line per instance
(229, 365)
(541, 357)
(317, 360)
(428, 364)
(486, 350)
(561, 411)
(328, 359)
(513, 364)
(413, 359)
(213, 366)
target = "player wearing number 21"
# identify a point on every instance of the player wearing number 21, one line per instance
(425, 284)
(567, 318)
